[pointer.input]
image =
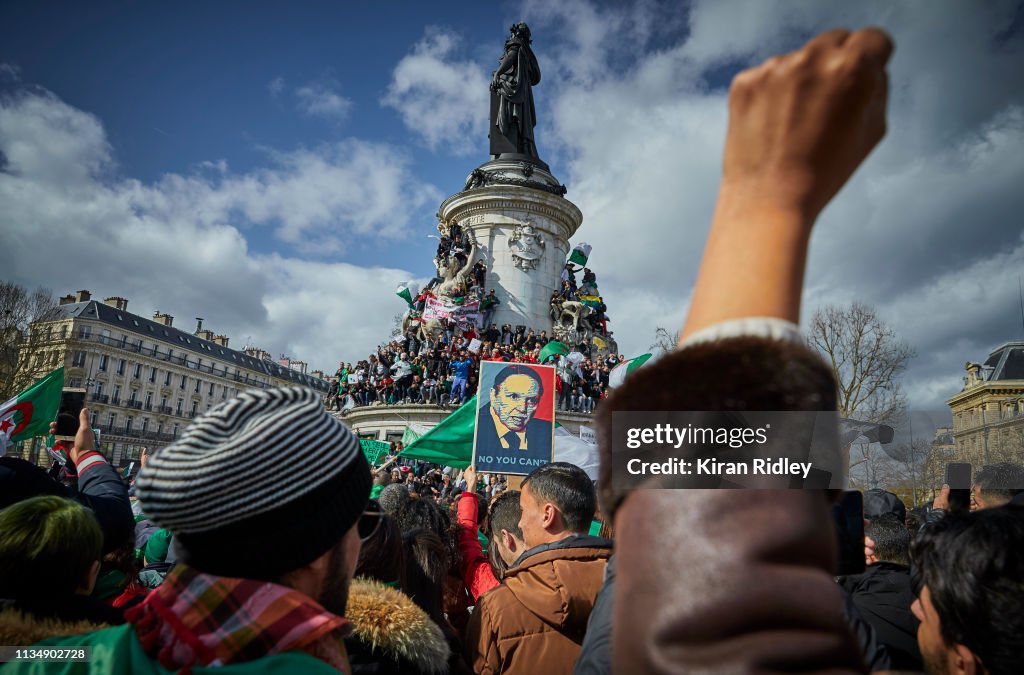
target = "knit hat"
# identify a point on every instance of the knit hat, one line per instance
(259, 486)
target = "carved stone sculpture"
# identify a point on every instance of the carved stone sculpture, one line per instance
(527, 246)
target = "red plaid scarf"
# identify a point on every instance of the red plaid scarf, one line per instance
(195, 619)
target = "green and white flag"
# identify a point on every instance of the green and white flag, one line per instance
(580, 253)
(404, 291)
(618, 374)
(29, 413)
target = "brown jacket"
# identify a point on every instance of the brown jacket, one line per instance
(535, 621)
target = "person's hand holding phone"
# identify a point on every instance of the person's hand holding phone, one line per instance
(85, 440)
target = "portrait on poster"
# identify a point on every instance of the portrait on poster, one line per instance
(515, 417)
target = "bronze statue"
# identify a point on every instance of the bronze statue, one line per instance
(513, 115)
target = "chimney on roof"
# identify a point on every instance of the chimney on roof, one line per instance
(163, 319)
(118, 302)
(83, 296)
(67, 299)
(319, 374)
(299, 366)
(205, 334)
(285, 361)
(222, 340)
(199, 325)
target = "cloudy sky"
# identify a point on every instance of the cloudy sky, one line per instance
(275, 169)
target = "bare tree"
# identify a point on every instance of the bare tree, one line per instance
(19, 344)
(867, 358)
(664, 341)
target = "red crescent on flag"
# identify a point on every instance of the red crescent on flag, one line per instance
(26, 416)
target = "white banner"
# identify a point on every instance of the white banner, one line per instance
(589, 435)
(435, 309)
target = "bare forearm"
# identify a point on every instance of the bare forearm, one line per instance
(753, 264)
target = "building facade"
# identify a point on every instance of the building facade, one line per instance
(988, 413)
(145, 379)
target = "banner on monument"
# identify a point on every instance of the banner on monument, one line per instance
(436, 309)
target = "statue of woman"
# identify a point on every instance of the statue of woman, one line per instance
(514, 116)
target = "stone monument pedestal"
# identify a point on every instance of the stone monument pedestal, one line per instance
(522, 223)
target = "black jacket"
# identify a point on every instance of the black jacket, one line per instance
(101, 489)
(596, 654)
(883, 595)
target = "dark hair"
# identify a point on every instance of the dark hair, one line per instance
(892, 540)
(517, 369)
(381, 556)
(1003, 481)
(47, 546)
(426, 514)
(426, 564)
(569, 488)
(974, 570)
(504, 514)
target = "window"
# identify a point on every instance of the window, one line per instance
(167, 379)
(93, 419)
(138, 371)
(181, 405)
(174, 431)
(78, 361)
(124, 338)
(149, 400)
(103, 362)
(84, 332)
(131, 397)
(63, 331)
(163, 404)
(195, 408)
(210, 393)
(120, 366)
(183, 380)
(128, 424)
(99, 389)
(152, 374)
(198, 385)
(111, 420)
(75, 382)
(116, 398)
(145, 424)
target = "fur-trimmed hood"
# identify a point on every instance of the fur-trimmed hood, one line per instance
(392, 625)
(20, 628)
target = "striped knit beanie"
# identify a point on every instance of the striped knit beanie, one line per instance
(259, 486)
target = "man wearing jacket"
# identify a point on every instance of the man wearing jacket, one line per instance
(535, 621)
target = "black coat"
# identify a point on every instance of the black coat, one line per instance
(883, 595)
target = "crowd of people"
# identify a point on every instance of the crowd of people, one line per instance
(262, 541)
(446, 371)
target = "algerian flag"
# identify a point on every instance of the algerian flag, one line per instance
(412, 432)
(404, 291)
(449, 443)
(618, 374)
(550, 349)
(29, 413)
(374, 450)
(580, 253)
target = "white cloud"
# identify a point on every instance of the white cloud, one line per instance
(442, 100)
(320, 99)
(69, 221)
